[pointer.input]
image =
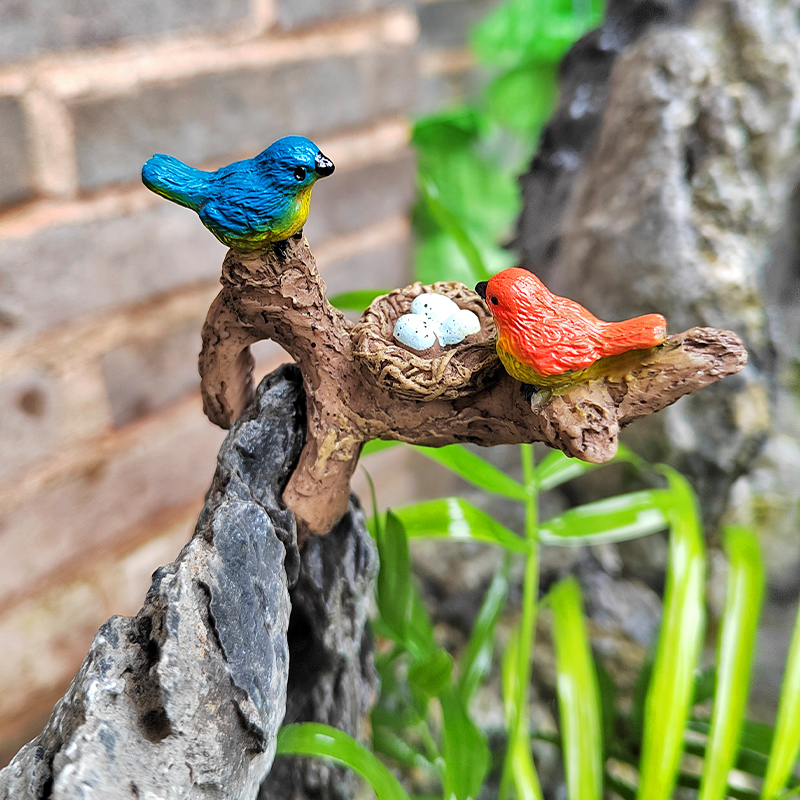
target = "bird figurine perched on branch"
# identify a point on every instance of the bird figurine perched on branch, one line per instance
(248, 204)
(552, 342)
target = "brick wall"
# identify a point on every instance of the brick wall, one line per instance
(104, 451)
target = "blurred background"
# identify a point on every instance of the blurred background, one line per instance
(104, 451)
(668, 186)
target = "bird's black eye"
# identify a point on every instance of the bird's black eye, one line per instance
(493, 299)
(300, 173)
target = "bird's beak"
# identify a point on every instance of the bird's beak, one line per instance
(323, 165)
(480, 288)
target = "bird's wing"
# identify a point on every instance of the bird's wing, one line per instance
(229, 220)
(557, 337)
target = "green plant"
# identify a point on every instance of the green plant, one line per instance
(423, 720)
(470, 157)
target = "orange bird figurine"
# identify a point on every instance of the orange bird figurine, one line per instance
(550, 341)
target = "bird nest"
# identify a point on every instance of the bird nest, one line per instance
(448, 372)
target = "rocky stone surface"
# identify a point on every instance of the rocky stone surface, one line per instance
(185, 699)
(674, 205)
(331, 673)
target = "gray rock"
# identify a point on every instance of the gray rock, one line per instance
(185, 699)
(332, 678)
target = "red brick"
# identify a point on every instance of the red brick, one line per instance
(46, 636)
(209, 117)
(15, 170)
(386, 267)
(297, 13)
(61, 273)
(356, 199)
(31, 27)
(142, 377)
(30, 410)
(447, 23)
(160, 464)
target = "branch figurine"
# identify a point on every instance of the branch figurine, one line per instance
(361, 384)
(249, 204)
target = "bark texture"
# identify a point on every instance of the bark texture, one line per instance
(279, 294)
(185, 699)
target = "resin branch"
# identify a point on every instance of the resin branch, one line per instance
(358, 388)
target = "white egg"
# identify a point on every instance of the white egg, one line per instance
(415, 331)
(457, 327)
(433, 306)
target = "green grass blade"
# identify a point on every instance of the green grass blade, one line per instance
(323, 741)
(475, 469)
(615, 519)
(578, 694)
(477, 659)
(457, 519)
(786, 742)
(745, 588)
(356, 301)
(394, 593)
(518, 767)
(669, 695)
(465, 751)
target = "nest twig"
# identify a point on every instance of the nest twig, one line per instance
(360, 386)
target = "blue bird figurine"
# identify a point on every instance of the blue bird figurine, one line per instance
(248, 204)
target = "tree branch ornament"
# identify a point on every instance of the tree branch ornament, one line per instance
(361, 384)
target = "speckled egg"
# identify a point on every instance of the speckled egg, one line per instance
(415, 331)
(433, 306)
(458, 326)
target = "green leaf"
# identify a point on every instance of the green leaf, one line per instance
(357, 300)
(457, 519)
(453, 227)
(430, 675)
(518, 765)
(608, 702)
(748, 759)
(484, 199)
(745, 588)
(419, 633)
(394, 578)
(447, 130)
(542, 30)
(557, 467)
(377, 445)
(615, 519)
(704, 685)
(439, 258)
(323, 741)
(523, 98)
(477, 659)
(578, 694)
(786, 743)
(386, 742)
(669, 695)
(475, 469)
(465, 751)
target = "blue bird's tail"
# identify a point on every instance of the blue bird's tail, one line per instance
(176, 181)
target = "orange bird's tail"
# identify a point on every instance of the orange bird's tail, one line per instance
(633, 334)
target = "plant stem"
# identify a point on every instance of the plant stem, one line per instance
(530, 601)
